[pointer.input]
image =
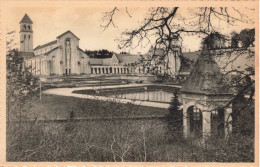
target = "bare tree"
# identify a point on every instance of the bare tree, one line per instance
(165, 28)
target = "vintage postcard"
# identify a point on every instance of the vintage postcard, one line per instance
(129, 83)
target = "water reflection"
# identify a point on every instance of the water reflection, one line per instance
(158, 96)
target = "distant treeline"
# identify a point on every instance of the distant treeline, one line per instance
(99, 53)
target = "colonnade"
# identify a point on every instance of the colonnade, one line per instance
(123, 70)
(40, 66)
(112, 70)
(206, 120)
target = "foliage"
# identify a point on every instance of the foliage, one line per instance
(99, 53)
(214, 41)
(246, 36)
(174, 108)
(175, 118)
(235, 38)
(21, 85)
(243, 116)
(165, 28)
(123, 133)
(185, 63)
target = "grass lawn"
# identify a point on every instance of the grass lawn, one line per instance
(59, 107)
(114, 139)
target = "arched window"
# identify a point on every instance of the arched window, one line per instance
(24, 36)
(196, 113)
(29, 36)
(24, 27)
(195, 119)
(218, 122)
(29, 27)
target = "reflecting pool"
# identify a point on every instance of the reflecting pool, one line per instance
(157, 95)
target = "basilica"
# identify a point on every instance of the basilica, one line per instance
(58, 57)
(63, 57)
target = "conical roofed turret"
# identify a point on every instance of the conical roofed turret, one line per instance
(206, 77)
(26, 19)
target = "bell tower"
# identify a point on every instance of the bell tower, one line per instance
(26, 34)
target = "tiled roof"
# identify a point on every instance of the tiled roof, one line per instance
(101, 62)
(127, 58)
(81, 50)
(26, 19)
(107, 61)
(158, 52)
(205, 77)
(45, 45)
(96, 61)
(51, 51)
(66, 33)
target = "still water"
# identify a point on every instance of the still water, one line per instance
(158, 96)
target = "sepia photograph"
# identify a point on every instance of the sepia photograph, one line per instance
(130, 83)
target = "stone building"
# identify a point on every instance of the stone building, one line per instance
(206, 99)
(138, 64)
(56, 58)
(62, 57)
(26, 34)
(117, 64)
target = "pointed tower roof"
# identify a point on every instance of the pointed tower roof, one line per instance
(26, 19)
(66, 33)
(206, 78)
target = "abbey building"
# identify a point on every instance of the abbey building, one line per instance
(58, 57)
(62, 57)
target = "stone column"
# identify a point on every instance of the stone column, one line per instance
(206, 124)
(228, 119)
(186, 121)
(45, 67)
(35, 67)
(40, 66)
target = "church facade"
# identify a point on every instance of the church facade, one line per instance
(56, 58)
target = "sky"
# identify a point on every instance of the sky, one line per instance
(48, 23)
